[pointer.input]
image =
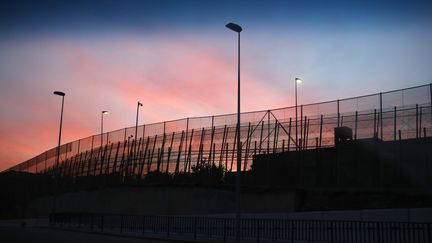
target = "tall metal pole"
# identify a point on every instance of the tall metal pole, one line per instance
(60, 132)
(296, 130)
(296, 81)
(58, 154)
(237, 29)
(102, 115)
(238, 147)
(136, 131)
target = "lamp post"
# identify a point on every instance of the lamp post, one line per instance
(136, 132)
(238, 29)
(62, 94)
(296, 81)
(102, 116)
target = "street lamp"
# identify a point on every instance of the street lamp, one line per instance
(238, 29)
(296, 81)
(102, 115)
(59, 93)
(136, 131)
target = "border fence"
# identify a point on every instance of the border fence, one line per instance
(252, 229)
(177, 146)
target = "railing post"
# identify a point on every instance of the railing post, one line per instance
(168, 226)
(429, 233)
(331, 231)
(121, 224)
(258, 230)
(224, 228)
(195, 227)
(378, 232)
(143, 225)
(102, 223)
(292, 230)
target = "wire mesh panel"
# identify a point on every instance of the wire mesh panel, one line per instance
(181, 145)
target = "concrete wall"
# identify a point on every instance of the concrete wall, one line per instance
(415, 215)
(163, 200)
(363, 163)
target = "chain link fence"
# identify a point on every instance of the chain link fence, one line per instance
(177, 146)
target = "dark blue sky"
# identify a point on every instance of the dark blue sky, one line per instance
(58, 16)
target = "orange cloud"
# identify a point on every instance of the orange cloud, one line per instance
(172, 79)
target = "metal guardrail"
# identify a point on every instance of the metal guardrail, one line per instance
(252, 229)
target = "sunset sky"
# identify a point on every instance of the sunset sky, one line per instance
(179, 60)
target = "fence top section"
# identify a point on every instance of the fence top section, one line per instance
(212, 117)
(383, 101)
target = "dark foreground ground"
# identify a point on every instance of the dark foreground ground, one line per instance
(45, 235)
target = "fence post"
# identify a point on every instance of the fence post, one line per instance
(417, 121)
(420, 121)
(355, 125)
(338, 113)
(381, 117)
(268, 132)
(430, 94)
(301, 127)
(320, 133)
(394, 123)
(375, 133)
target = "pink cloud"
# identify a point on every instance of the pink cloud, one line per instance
(173, 79)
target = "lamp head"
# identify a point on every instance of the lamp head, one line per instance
(59, 93)
(140, 104)
(298, 80)
(105, 112)
(234, 27)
